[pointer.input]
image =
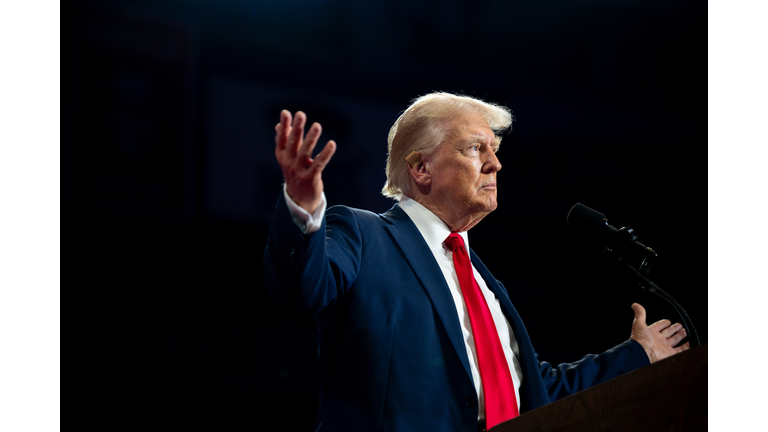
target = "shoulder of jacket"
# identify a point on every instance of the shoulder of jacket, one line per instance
(362, 216)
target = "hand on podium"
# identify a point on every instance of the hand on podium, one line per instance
(660, 339)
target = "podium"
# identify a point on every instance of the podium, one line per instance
(669, 395)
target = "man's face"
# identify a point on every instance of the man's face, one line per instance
(464, 168)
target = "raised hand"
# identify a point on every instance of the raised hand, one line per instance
(303, 175)
(660, 338)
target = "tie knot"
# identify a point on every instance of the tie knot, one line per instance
(454, 241)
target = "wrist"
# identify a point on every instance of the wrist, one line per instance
(308, 205)
(648, 351)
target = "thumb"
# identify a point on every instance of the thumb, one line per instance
(640, 332)
(639, 313)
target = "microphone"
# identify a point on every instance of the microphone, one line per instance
(591, 221)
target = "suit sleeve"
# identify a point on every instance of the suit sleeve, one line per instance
(544, 383)
(569, 378)
(308, 272)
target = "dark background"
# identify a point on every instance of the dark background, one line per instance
(169, 177)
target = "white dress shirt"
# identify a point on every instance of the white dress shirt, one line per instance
(435, 231)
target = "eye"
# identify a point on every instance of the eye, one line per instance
(474, 147)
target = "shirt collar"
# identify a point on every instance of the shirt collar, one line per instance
(431, 227)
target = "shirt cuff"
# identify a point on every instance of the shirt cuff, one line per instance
(307, 223)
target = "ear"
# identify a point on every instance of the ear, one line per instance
(413, 158)
(418, 169)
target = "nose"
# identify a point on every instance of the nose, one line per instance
(491, 164)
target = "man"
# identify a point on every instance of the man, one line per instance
(414, 332)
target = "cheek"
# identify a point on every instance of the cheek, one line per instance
(460, 179)
(470, 177)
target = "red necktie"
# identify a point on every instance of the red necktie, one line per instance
(499, 390)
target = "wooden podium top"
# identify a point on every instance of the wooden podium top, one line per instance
(670, 395)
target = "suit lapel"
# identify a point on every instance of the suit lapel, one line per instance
(490, 281)
(416, 251)
(529, 395)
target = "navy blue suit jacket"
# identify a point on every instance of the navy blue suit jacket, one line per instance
(391, 355)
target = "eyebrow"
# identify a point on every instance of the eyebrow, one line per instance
(477, 138)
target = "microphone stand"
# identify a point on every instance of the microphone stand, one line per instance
(640, 277)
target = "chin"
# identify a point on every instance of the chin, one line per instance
(487, 206)
(491, 203)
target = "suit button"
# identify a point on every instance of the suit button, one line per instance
(471, 401)
(293, 254)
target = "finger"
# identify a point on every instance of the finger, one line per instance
(283, 129)
(639, 313)
(677, 338)
(671, 330)
(281, 136)
(685, 347)
(297, 133)
(660, 325)
(324, 157)
(313, 135)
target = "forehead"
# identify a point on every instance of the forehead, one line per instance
(469, 127)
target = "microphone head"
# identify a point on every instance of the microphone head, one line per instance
(585, 219)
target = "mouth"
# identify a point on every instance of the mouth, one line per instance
(489, 186)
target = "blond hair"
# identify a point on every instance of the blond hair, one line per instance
(423, 126)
